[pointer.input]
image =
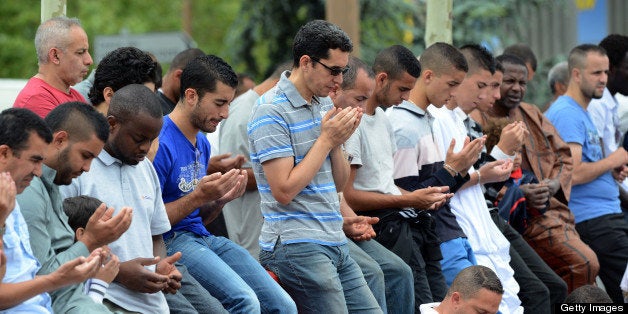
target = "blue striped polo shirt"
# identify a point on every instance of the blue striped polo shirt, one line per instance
(283, 124)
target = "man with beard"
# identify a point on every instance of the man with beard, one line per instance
(23, 139)
(122, 176)
(552, 234)
(595, 198)
(405, 227)
(63, 56)
(79, 134)
(194, 197)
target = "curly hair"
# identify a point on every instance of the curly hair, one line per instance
(121, 67)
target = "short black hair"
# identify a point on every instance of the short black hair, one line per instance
(511, 59)
(284, 66)
(355, 64)
(80, 120)
(524, 52)
(79, 209)
(16, 125)
(184, 57)
(499, 67)
(588, 294)
(132, 99)
(316, 38)
(616, 47)
(202, 74)
(440, 57)
(121, 67)
(396, 60)
(472, 279)
(478, 58)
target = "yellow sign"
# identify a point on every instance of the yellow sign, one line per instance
(585, 4)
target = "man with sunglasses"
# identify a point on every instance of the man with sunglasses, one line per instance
(295, 136)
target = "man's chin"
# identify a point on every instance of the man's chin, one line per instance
(64, 181)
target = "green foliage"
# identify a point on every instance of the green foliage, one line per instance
(17, 34)
(19, 20)
(383, 24)
(255, 35)
(265, 39)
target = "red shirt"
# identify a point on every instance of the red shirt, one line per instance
(40, 97)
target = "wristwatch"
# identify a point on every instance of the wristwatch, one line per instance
(2, 230)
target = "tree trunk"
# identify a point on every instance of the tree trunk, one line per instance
(438, 22)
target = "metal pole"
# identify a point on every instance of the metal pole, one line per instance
(439, 22)
(346, 14)
(52, 8)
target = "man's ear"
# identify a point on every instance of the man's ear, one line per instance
(177, 73)
(190, 96)
(60, 138)
(80, 232)
(380, 78)
(575, 74)
(113, 123)
(428, 75)
(456, 298)
(107, 93)
(5, 153)
(304, 61)
(53, 56)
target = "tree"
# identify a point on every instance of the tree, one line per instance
(265, 37)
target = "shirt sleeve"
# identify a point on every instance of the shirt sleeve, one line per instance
(269, 134)
(96, 289)
(39, 103)
(498, 154)
(353, 148)
(34, 202)
(569, 126)
(160, 223)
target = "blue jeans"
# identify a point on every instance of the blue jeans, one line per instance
(321, 278)
(192, 297)
(230, 274)
(397, 276)
(373, 274)
(457, 255)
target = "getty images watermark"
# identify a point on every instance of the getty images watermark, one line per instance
(589, 308)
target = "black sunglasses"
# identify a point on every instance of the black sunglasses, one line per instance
(335, 71)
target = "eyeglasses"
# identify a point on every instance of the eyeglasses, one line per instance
(334, 71)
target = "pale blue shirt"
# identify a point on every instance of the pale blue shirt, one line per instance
(21, 263)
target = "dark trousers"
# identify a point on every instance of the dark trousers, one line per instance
(419, 247)
(608, 238)
(539, 285)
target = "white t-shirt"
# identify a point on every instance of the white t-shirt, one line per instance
(119, 185)
(429, 308)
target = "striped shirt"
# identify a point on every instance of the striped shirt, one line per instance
(419, 162)
(283, 124)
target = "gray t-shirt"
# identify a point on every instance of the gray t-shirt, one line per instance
(372, 147)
